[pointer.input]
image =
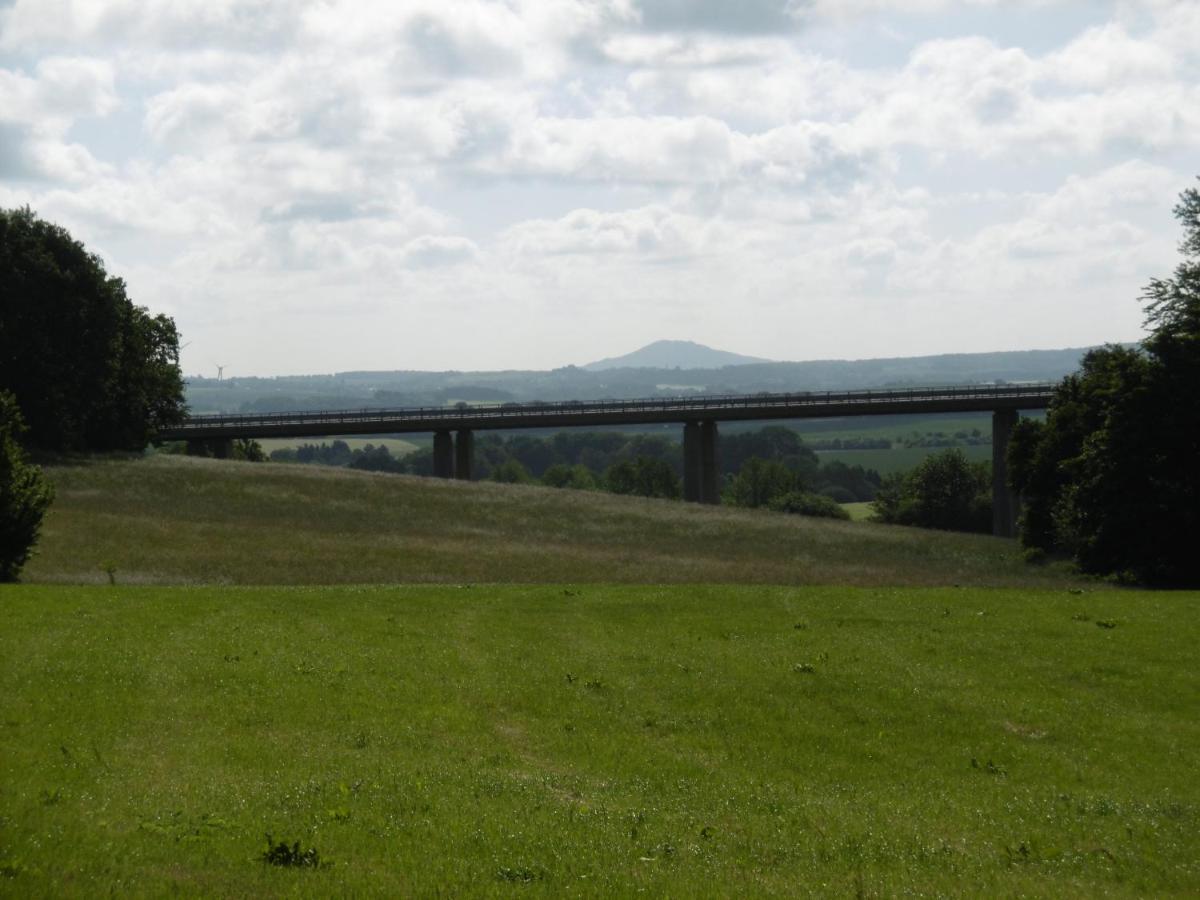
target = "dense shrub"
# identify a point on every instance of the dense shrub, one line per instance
(805, 504)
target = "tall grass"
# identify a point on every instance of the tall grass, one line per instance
(177, 520)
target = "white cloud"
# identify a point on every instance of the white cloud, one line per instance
(704, 170)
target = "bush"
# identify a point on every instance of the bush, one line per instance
(24, 494)
(805, 504)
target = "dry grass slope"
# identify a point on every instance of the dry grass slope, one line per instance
(174, 520)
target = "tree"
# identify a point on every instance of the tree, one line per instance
(1111, 477)
(760, 481)
(24, 493)
(645, 477)
(578, 477)
(945, 491)
(90, 370)
(511, 472)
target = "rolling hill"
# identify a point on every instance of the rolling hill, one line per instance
(674, 355)
(179, 520)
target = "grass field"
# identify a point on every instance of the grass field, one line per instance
(599, 741)
(179, 520)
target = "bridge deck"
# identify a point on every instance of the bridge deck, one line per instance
(574, 414)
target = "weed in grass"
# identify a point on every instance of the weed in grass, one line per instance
(50, 798)
(520, 874)
(804, 668)
(990, 767)
(283, 854)
(10, 869)
(1106, 623)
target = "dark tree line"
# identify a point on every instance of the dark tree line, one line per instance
(1111, 478)
(90, 370)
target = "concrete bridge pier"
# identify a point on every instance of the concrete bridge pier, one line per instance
(691, 462)
(443, 454)
(701, 474)
(1005, 504)
(710, 473)
(464, 453)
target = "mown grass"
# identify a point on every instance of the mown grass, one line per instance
(599, 741)
(174, 520)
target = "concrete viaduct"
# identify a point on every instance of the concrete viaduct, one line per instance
(453, 428)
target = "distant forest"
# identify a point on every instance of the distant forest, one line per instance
(350, 390)
(609, 460)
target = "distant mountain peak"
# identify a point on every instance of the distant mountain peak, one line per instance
(674, 355)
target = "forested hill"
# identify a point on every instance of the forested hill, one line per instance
(403, 388)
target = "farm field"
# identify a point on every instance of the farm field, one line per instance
(180, 520)
(396, 446)
(859, 512)
(898, 459)
(599, 740)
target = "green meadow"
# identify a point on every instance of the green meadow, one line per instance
(599, 740)
(180, 520)
(429, 688)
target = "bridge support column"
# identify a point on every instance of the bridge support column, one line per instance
(1005, 504)
(443, 455)
(710, 474)
(464, 452)
(691, 462)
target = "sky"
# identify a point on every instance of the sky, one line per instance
(311, 186)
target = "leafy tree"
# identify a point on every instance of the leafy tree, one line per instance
(511, 472)
(945, 491)
(24, 493)
(90, 370)
(774, 442)
(760, 481)
(1111, 477)
(577, 477)
(644, 477)
(250, 450)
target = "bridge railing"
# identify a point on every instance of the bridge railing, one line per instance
(686, 404)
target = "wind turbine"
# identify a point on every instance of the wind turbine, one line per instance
(220, 370)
